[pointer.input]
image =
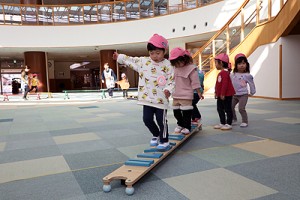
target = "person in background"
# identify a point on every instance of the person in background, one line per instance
(241, 78)
(223, 92)
(34, 83)
(110, 77)
(186, 81)
(196, 115)
(154, 88)
(25, 82)
(124, 85)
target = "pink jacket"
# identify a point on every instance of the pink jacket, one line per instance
(186, 81)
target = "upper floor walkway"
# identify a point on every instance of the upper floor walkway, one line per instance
(107, 12)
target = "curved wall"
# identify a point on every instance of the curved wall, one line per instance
(216, 15)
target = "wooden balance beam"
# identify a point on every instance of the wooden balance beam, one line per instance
(134, 169)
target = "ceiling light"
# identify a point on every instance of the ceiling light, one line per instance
(76, 65)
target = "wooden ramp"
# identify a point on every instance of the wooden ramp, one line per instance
(135, 169)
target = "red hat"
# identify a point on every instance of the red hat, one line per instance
(239, 55)
(177, 52)
(223, 57)
(159, 41)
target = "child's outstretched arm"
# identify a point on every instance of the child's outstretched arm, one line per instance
(133, 62)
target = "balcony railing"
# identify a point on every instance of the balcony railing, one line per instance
(20, 14)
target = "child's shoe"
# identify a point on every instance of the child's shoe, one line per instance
(178, 129)
(164, 146)
(195, 121)
(243, 125)
(219, 126)
(185, 131)
(154, 142)
(226, 127)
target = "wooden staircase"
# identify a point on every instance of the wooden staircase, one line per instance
(268, 31)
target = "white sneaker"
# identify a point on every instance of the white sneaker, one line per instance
(218, 126)
(178, 129)
(226, 127)
(164, 146)
(185, 131)
(243, 125)
(154, 142)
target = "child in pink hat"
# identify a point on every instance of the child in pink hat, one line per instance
(186, 81)
(155, 87)
(241, 78)
(223, 92)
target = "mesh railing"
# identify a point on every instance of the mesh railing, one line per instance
(107, 12)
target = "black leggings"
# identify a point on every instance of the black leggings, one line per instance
(33, 87)
(183, 118)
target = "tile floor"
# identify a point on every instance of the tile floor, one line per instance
(56, 149)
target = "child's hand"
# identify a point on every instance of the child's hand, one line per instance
(167, 93)
(115, 56)
(200, 96)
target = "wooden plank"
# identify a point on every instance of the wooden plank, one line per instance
(131, 174)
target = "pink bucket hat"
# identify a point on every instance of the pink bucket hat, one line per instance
(239, 55)
(158, 41)
(177, 52)
(223, 57)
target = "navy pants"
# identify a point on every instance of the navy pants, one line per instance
(110, 91)
(196, 113)
(224, 108)
(26, 90)
(158, 128)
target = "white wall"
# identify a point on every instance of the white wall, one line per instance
(216, 15)
(264, 64)
(291, 66)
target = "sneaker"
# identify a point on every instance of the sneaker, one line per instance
(226, 127)
(164, 146)
(243, 125)
(195, 121)
(178, 129)
(154, 142)
(185, 131)
(218, 126)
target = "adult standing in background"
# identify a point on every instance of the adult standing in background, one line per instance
(109, 77)
(25, 82)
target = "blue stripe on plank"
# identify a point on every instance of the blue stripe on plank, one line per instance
(136, 163)
(148, 155)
